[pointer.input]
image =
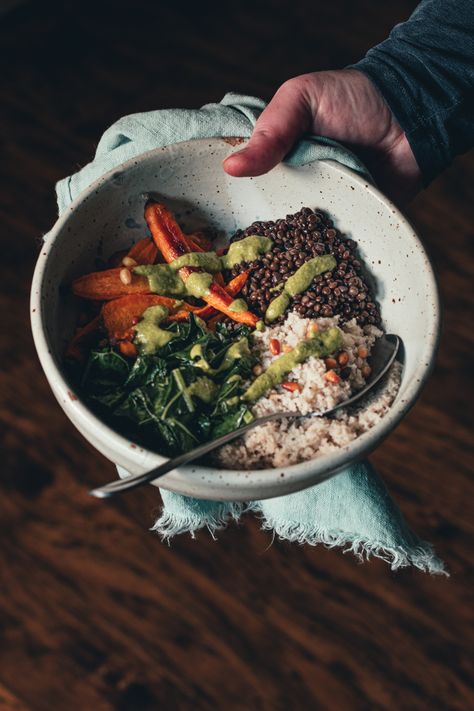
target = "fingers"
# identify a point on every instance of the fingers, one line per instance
(284, 120)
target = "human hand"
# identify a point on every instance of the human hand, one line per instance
(343, 105)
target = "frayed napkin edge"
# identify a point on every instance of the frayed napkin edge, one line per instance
(421, 555)
(169, 524)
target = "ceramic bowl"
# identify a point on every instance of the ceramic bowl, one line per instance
(189, 178)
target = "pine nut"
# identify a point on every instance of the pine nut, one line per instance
(125, 276)
(129, 262)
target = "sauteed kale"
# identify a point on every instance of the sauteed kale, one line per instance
(163, 400)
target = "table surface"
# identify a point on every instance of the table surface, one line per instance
(97, 613)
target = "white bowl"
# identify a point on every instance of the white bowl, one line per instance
(189, 177)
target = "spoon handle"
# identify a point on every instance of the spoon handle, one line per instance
(132, 482)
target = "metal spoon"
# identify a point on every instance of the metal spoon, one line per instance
(383, 354)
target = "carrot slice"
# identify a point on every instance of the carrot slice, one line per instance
(144, 251)
(292, 387)
(171, 241)
(120, 315)
(233, 288)
(82, 338)
(222, 301)
(332, 377)
(192, 245)
(275, 346)
(182, 315)
(128, 349)
(199, 239)
(107, 285)
(236, 284)
(167, 234)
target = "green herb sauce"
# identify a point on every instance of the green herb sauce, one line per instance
(277, 306)
(238, 305)
(148, 334)
(297, 283)
(246, 250)
(239, 349)
(204, 389)
(198, 283)
(162, 279)
(320, 346)
(208, 261)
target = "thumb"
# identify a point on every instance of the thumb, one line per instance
(282, 122)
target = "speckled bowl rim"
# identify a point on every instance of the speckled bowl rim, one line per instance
(229, 484)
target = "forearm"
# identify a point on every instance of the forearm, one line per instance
(425, 72)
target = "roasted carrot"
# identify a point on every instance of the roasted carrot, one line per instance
(199, 240)
(167, 234)
(107, 285)
(120, 315)
(236, 284)
(83, 338)
(193, 246)
(128, 349)
(332, 377)
(222, 301)
(182, 315)
(171, 242)
(144, 251)
(233, 288)
(292, 387)
(275, 346)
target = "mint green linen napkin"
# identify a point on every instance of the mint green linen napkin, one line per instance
(352, 510)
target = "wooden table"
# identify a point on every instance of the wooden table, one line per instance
(95, 612)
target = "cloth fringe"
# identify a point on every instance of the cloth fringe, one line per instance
(172, 524)
(422, 556)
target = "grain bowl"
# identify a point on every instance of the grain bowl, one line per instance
(189, 178)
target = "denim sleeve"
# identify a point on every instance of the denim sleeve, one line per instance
(425, 72)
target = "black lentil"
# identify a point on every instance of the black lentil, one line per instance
(297, 238)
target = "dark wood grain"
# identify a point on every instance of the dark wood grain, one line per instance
(95, 612)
